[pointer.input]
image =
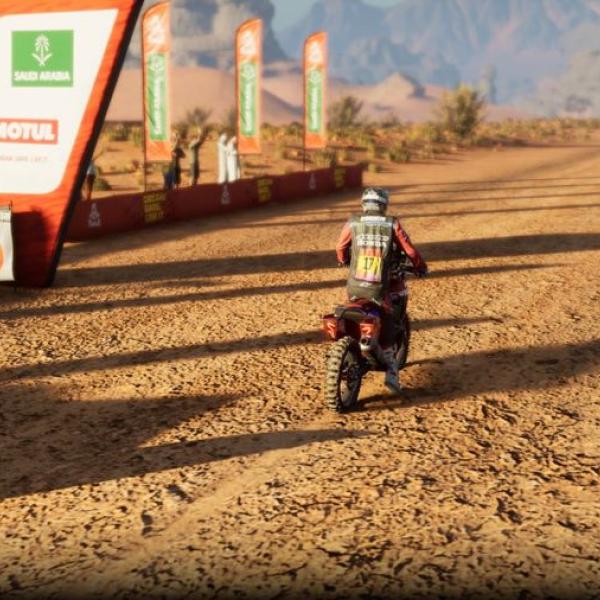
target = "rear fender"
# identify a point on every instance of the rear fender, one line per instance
(334, 328)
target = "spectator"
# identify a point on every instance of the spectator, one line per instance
(90, 178)
(233, 160)
(168, 177)
(194, 148)
(177, 154)
(222, 155)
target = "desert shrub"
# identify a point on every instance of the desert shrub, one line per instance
(325, 158)
(363, 139)
(228, 123)
(182, 129)
(345, 155)
(400, 153)
(139, 178)
(101, 185)
(345, 113)
(390, 121)
(195, 118)
(461, 111)
(118, 133)
(373, 151)
(198, 117)
(431, 132)
(294, 129)
(268, 132)
(280, 151)
(137, 136)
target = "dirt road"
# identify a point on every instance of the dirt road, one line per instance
(163, 430)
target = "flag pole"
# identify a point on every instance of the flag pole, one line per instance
(144, 153)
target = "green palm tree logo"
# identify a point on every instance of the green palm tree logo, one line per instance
(42, 49)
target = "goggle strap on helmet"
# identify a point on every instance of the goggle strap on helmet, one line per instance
(375, 199)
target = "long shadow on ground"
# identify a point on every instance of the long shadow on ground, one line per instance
(463, 375)
(51, 444)
(54, 310)
(518, 245)
(59, 368)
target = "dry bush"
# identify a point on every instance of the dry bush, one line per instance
(294, 129)
(268, 132)
(196, 118)
(137, 136)
(399, 153)
(118, 132)
(280, 151)
(344, 114)
(101, 185)
(461, 111)
(325, 158)
(228, 124)
(373, 151)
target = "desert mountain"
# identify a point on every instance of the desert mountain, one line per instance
(204, 87)
(193, 87)
(440, 42)
(576, 93)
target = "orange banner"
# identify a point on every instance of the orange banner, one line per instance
(315, 91)
(156, 48)
(60, 66)
(248, 53)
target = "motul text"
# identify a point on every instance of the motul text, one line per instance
(28, 131)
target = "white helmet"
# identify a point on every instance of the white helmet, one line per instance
(375, 199)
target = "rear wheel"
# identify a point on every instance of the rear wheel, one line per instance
(403, 343)
(343, 376)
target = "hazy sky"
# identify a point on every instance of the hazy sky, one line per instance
(289, 11)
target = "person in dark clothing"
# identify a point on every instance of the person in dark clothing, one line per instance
(194, 147)
(90, 178)
(369, 244)
(168, 177)
(177, 154)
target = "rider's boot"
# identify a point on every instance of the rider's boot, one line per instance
(391, 376)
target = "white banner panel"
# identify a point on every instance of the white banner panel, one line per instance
(48, 66)
(6, 245)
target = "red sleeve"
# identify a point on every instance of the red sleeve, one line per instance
(344, 243)
(402, 239)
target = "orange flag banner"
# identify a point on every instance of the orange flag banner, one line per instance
(156, 48)
(59, 67)
(248, 53)
(315, 89)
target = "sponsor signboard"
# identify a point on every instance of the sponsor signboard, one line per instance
(59, 62)
(42, 58)
(315, 85)
(156, 47)
(249, 39)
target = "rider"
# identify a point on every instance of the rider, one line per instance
(370, 244)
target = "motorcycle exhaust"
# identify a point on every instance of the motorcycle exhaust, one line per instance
(371, 348)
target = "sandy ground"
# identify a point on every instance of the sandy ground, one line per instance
(164, 434)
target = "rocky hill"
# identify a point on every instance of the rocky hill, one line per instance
(576, 93)
(442, 41)
(535, 48)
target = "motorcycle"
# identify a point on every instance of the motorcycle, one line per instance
(354, 330)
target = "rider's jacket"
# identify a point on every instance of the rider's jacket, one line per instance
(371, 240)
